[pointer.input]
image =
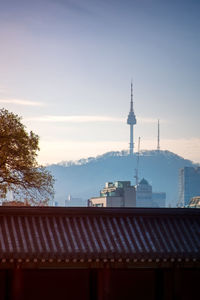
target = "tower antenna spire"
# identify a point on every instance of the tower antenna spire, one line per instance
(131, 121)
(131, 96)
(158, 138)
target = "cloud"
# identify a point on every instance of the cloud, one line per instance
(3, 89)
(86, 119)
(84, 8)
(75, 119)
(70, 150)
(150, 120)
(21, 102)
(147, 120)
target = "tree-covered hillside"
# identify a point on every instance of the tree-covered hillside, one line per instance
(84, 178)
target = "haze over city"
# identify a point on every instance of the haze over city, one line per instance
(66, 68)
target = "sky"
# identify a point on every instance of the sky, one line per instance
(67, 65)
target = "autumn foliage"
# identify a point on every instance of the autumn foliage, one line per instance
(19, 170)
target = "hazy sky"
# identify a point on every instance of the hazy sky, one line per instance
(66, 68)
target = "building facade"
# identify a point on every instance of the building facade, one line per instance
(159, 199)
(194, 202)
(189, 184)
(117, 194)
(144, 194)
(72, 201)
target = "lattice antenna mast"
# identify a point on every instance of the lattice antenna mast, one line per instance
(158, 138)
(137, 164)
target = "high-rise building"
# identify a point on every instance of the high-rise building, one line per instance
(189, 185)
(117, 194)
(145, 197)
(144, 194)
(131, 121)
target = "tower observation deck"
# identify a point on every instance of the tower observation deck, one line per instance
(131, 120)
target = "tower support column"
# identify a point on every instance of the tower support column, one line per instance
(131, 140)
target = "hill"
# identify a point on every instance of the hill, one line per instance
(84, 178)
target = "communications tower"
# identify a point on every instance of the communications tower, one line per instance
(131, 121)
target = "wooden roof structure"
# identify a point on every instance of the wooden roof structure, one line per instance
(44, 236)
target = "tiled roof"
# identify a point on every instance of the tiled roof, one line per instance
(98, 234)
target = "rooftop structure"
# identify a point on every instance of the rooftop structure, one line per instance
(47, 235)
(117, 194)
(194, 202)
(131, 121)
(99, 254)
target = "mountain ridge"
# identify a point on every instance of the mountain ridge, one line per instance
(85, 177)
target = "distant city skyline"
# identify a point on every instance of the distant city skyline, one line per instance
(66, 68)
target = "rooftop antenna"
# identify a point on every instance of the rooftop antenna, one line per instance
(137, 164)
(158, 138)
